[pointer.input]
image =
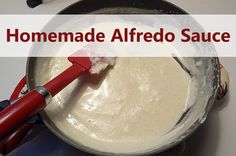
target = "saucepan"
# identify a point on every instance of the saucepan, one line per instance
(212, 80)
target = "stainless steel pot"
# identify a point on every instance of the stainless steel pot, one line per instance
(208, 89)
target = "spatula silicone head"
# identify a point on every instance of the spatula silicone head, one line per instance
(83, 61)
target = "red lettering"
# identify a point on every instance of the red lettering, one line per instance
(225, 37)
(15, 35)
(100, 37)
(117, 36)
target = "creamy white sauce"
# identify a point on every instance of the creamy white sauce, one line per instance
(127, 108)
(132, 107)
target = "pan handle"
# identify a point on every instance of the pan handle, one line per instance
(34, 101)
(33, 3)
(13, 116)
(10, 142)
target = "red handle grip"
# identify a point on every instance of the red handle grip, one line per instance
(21, 110)
(14, 139)
(11, 141)
(33, 102)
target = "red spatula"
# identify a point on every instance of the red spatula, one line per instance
(37, 99)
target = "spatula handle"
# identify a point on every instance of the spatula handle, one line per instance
(14, 115)
(34, 101)
(58, 83)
